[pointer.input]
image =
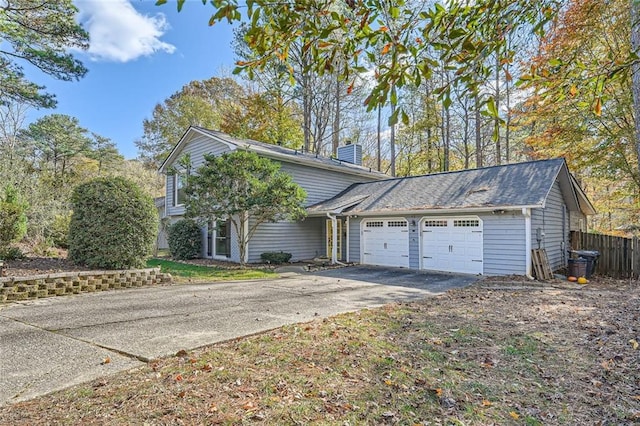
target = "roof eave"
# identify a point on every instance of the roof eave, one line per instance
(458, 210)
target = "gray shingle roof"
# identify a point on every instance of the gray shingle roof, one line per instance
(512, 185)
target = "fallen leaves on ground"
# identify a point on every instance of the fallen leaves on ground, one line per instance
(494, 353)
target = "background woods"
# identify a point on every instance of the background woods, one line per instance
(423, 88)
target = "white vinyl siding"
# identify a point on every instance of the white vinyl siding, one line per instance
(320, 184)
(553, 221)
(504, 244)
(304, 240)
(196, 148)
(354, 239)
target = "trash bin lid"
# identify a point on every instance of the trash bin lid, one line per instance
(587, 253)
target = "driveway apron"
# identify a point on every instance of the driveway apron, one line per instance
(50, 344)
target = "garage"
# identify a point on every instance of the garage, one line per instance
(386, 242)
(452, 244)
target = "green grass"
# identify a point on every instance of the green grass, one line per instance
(187, 272)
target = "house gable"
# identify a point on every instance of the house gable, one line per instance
(320, 177)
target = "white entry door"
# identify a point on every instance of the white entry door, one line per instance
(452, 244)
(385, 242)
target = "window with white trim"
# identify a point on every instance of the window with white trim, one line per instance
(178, 190)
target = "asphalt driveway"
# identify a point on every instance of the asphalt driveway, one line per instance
(51, 344)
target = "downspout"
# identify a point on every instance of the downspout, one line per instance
(526, 212)
(347, 225)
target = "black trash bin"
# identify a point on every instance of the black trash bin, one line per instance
(577, 267)
(591, 256)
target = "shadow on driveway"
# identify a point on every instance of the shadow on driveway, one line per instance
(434, 282)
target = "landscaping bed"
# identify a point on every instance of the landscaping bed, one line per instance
(488, 354)
(39, 266)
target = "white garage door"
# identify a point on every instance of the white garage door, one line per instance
(452, 244)
(386, 242)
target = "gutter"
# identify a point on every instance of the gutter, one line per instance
(461, 210)
(526, 212)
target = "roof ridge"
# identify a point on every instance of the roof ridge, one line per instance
(471, 170)
(280, 149)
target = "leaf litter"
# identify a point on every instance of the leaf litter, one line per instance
(499, 352)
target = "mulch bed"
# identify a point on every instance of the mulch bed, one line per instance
(39, 265)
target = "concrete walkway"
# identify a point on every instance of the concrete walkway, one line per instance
(54, 343)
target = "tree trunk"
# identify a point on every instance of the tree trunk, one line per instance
(306, 103)
(447, 140)
(496, 129)
(335, 136)
(379, 151)
(507, 131)
(635, 47)
(392, 144)
(478, 129)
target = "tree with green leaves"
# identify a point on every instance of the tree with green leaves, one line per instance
(344, 36)
(219, 104)
(199, 103)
(240, 185)
(13, 217)
(56, 140)
(39, 33)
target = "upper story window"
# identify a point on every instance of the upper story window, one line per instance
(178, 190)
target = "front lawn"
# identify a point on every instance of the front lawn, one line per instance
(182, 272)
(477, 356)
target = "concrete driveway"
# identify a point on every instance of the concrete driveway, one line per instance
(51, 344)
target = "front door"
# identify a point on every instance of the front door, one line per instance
(330, 238)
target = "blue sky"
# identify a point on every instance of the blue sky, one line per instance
(140, 54)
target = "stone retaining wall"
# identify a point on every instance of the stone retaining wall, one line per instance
(60, 284)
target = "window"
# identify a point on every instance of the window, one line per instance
(466, 223)
(178, 190)
(397, 223)
(218, 238)
(435, 223)
(376, 224)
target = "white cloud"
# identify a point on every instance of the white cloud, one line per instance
(119, 33)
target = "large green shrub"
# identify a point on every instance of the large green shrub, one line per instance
(185, 239)
(113, 225)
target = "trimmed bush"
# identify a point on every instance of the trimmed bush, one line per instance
(185, 240)
(11, 253)
(275, 257)
(113, 225)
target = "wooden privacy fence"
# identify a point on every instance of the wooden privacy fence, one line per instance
(619, 256)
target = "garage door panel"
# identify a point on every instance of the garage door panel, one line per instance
(452, 244)
(386, 242)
